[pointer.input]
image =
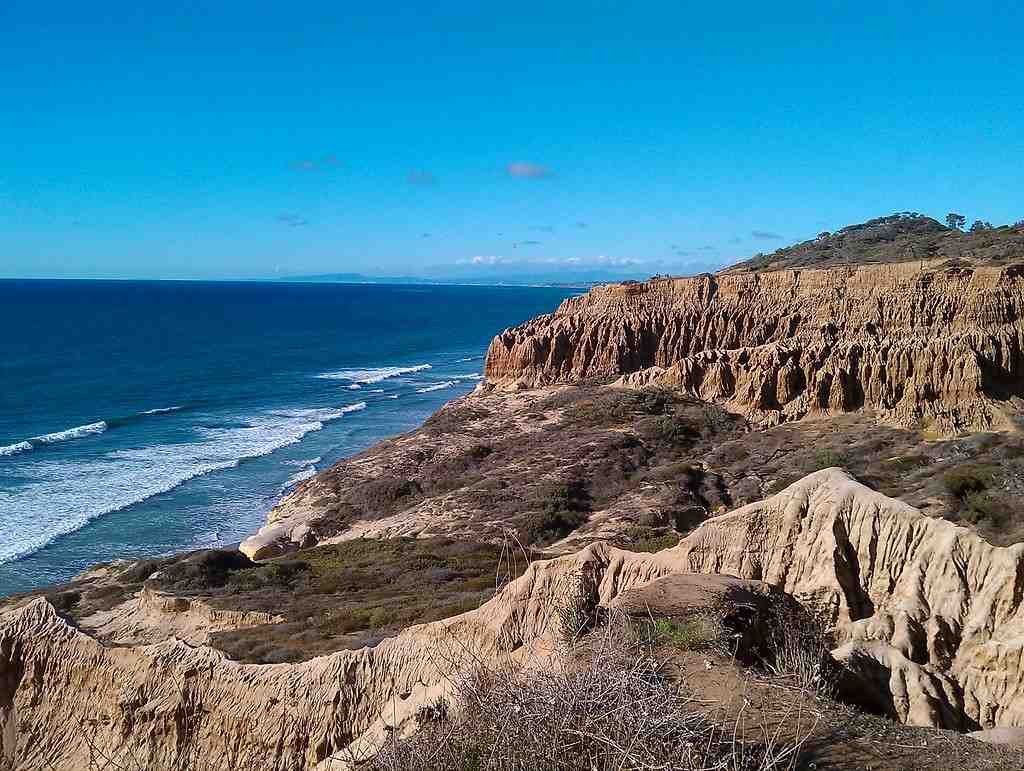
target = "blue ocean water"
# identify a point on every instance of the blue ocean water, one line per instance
(140, 418)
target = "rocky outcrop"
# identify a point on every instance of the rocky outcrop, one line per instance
(930, 614)
(152, 616)
(936, 608)
(914, 342)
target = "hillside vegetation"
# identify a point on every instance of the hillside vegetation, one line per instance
(902, 237)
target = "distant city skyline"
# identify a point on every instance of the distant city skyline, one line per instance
(465, 140)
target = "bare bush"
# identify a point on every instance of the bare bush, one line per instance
(800, 649)
(607, 707)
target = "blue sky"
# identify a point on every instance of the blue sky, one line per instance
(259, 139)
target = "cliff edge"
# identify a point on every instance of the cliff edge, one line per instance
(920, 344)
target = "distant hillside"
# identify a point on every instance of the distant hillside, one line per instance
(897, 238)
(550, 279)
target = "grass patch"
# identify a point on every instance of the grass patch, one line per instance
(697, 633)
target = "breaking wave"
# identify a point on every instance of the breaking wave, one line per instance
(14, 449)
(63, 497)
(58, 436)
(437, 387)
(300, 476)
(372, 375)
(303, 461)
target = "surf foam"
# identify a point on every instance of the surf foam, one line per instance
(302, 461)
(58, 436)
(62, 497)
(437, 387)
(373, 375)
(299, 476)
(14, 449)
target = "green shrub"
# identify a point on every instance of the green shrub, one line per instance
(617, 406)
(570, 496)
(542, 528)
(206, 569)
(696, 633)
(963, 481)
(141, 570)
(64, 601)
(828, 458)
(648, 539)
(674, 430)
(983, 507)
(271, 574)
(654, 401)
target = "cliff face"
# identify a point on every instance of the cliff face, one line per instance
(931, 614)
(916, 343)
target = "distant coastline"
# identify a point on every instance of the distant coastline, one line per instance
(354, 280)
(359, 278)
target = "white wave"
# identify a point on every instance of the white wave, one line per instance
(58, 436)
(14, 449)
(437, 387)
(303, 462)
(323, 414)
(72, 433)
(377, 391)
(373, 375)
(392, 396)
(468, 358)
(299, 476)
(160, 410)
(62, 497)
(354, 387)
(473, 376)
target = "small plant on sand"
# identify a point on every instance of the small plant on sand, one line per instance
(575, 609)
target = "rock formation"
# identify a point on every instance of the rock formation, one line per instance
(917, 343)
(931, 616)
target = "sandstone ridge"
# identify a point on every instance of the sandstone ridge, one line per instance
(931, 616)
(916, 342)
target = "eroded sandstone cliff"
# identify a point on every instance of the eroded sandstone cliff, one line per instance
(918, 343)
(932, 616)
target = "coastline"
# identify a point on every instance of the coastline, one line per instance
(214, 432)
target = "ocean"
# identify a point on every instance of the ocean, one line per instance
(142, 418)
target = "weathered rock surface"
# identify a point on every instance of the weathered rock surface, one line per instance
(931, 614)
(936, 607)
(915, 342)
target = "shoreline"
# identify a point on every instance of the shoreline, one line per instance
(235, 545)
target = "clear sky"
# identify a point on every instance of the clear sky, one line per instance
(247, 139)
